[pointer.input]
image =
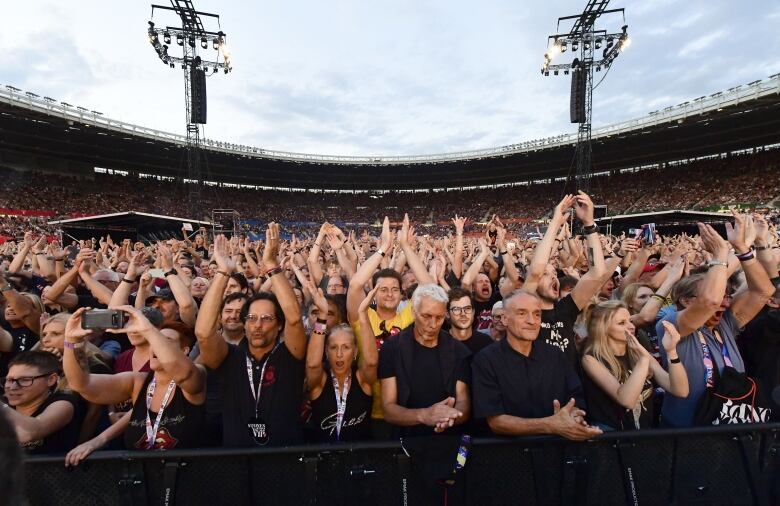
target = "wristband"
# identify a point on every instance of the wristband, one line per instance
(73, 346)
(272, 272)
(59, 259)
(619, 255)
(379, 250)
(590, 229)
(172, 271)
(659, 297)
(39, 253)
(224, 273)
(319, 328)
(130, 281)
(502, 253)
(762, 248)
(675, 360)
(744, 257)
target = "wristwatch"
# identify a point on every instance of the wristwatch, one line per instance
(713, 263)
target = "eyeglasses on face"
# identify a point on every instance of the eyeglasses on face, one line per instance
(23, 382)
(263, 318)
(462, 310)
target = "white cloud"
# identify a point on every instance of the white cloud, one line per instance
(380, 77)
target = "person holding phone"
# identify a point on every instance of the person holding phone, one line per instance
(168, 402)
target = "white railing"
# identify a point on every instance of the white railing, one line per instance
(732, 96)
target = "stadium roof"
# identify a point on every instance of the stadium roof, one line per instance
(47, 132)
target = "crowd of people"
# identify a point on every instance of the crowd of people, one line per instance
(344, 336)
(752, 179)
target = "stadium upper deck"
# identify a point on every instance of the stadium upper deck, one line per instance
(45, 134)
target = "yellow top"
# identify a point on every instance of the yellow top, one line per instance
(400, 321)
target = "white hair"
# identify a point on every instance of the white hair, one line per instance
(430, 291)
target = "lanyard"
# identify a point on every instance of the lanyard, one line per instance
(709, 365)
(341, 403)
(256, 395)
(151, 431)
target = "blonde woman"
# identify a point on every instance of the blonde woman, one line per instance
(620, 375)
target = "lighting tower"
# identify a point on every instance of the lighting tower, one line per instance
(189, 36)
(584, 40)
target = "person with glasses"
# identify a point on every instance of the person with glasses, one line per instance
(460, 311)
(262, 377)
(386, 320)
(709, 319)
(43, 418)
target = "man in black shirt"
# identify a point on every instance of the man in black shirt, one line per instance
(460, 310)
(262, 377)
(523, 386)
(424, 371)
(559, 315)
(21, 327)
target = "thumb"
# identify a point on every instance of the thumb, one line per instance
(569, 405)
(556, 406)
(449, 401)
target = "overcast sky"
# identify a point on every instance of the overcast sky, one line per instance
(384, 77)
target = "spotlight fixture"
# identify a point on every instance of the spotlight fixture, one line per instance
(179, 39)
(555, 72)
(167, 38)
(563, 47)
(610, 42)
(191, 42)
(574, 46)
(598, 43)
(204, 43)
(587, 46)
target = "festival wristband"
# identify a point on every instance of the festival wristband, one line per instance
(273, 272)
(675, 360)
(590, 229)
(379, 250)
(744, 257)
(74, 346)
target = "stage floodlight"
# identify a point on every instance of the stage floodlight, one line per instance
(574, 46)
(167, 38)
(598, 44)
(204, 43)
(563, 47)
(191, 42)
(179, 39)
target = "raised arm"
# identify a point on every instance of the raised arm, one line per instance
(711, 289)
(23, 307)
(476, 265)
(590, 283)
(368, 360)
(294, 334)
(98, 388)
(188, 310)
(355, 293)
(186, 374)
(315, 269)
(315, 373)
(650, 310)
(747, 304)
(213, 348)
(457, 259)
(509, 261)
(405, 239)
(24, 248)
(135, 268)
(544, 248)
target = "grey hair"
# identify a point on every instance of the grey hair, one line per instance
(111, 275)
(431, 291)
(517, 293)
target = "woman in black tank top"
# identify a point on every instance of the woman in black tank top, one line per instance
(168, 402)
(341, 394)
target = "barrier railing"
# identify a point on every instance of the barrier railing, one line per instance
(732, 465)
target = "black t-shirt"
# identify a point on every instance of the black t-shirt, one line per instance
(558, 327)
(280, 401)
(759, 344)
(63, 440)
(357, 413)
(477, 342)
(181, 425)
(203, 252)
(427, 385)
(603, 410)
(23, 339)
(506, 382)
(483, 311)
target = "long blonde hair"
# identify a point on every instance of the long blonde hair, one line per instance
(91, 351)
(597, 345)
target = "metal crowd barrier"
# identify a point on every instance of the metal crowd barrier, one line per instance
(727, 465)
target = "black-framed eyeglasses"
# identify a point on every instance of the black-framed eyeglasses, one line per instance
(24, 381)
(462, 310)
